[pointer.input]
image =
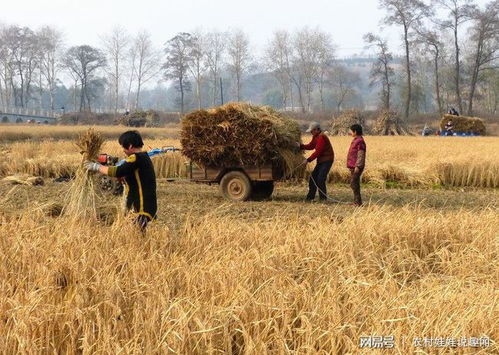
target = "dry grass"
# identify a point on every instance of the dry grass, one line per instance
(15, 133)
(255, 278)
(399, 161)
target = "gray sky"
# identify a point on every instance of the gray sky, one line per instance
(84, 21)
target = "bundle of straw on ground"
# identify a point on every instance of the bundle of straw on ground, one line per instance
(464, 124)
(239, 134)
(340, 126)
(82, 196)
(388, 123)
(23, 179)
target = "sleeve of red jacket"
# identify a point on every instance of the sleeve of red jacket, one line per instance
(319, 148)
(310, 145)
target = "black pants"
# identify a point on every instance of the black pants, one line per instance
(355, 185)
(318, 180)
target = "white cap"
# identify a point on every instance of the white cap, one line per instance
(312, 126)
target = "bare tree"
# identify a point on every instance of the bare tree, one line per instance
(381, 72)
(278, 56)
(485, 39)
(198, 63)
(51, 43)
(115, 47)
(460, 11)
(491, 88)
(215, 50)
(239, 58)
(305, 65)
(433, 46)
(83, 62)
(178, 59)
(146, 62)
(408, 14)
(131, 70)
(325, 59)
(343, 84)
(6, 70)
(22, 51)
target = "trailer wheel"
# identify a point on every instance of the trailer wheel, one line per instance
(106, 183)
(110, 185)
(262, 190)
(235, 186)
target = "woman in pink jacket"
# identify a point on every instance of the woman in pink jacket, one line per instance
(356, 161)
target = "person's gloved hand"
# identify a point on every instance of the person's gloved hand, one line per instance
(305, 162)
(91, 166)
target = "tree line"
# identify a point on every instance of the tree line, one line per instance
(450, 57)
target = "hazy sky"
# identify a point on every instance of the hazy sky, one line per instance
(84, 21)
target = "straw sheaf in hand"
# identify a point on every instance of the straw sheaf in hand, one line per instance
(82, 197)
(89, 144)
(238, 134)
(464, 124)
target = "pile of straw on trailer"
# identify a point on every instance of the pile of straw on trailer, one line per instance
(464, 124)
(170, 165)
(239, 134)
(388, 123)
(340, 125)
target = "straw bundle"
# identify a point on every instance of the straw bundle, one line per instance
(464, 124)
(388, 123)
(170, 165)
(24, 180)
(239, 134)
(82, 196)
(340, 125)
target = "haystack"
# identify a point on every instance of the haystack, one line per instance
(340, 125)
(464, 124)
(239, 134)
(139, 118)
(388, 123)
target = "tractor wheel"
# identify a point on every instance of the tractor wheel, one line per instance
(262, 190)
(235, 186)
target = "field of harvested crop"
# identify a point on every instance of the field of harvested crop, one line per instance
(427, 162)
(418, 262)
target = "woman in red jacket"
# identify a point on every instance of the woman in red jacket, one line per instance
(325, 157)
(356, 161)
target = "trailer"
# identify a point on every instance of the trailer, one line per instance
(238, 183)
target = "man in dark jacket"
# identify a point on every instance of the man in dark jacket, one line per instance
(140, 179)
(325, 157)
(356, 161)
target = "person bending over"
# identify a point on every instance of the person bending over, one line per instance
(139, 178)
(325, 157)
